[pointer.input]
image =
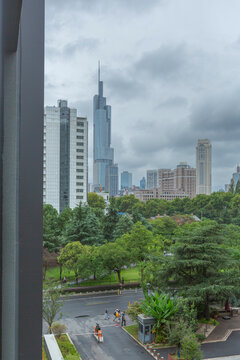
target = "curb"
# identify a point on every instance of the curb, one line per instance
(224, 338)
(143, 346)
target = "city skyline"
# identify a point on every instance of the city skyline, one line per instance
(172, 78)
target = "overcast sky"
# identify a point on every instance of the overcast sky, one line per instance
(171, 72)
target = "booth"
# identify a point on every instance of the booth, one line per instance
(145, 326)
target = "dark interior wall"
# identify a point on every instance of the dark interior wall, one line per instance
(21, 146)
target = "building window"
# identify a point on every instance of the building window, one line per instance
(80, 144)
(79, 164)
(79, 123)
(79, 190)
(80, 130)
(79, 150)
(80, 157)
(81, 137)
(79, 184)
(80, 177)
(80, 197)
(79, 170)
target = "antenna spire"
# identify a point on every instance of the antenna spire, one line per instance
(98, 70)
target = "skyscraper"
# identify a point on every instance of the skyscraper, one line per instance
(65, 165)
(152, 179)
(111, 180)
(103, 153)
(143, 183)
(203, 167)
(126, 180)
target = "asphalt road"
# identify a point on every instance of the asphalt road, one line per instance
(80, 314)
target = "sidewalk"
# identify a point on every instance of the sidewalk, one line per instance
(224, 329)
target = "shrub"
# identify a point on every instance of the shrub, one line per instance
(201, 337)
(58, 328)
(66, 347)
(72, 357)
(190, 347)
(134, 310)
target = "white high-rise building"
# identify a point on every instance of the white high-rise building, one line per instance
(65, 162)
(204, 167)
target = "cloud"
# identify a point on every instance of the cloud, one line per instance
(103, 6)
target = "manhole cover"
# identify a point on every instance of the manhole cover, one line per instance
(80, 316)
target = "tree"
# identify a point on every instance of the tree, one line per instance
(123, 226)
(75, 257)
(138, 242)
(200, 268)
(190, 347)
(164, 226)
(110, 221)
(126, 203)
(84, 227)
(50, 228)
(114, 257)
(51, 306)
(161, 307)
(96, 201)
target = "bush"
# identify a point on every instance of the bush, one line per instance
(58, 328)
(210, 321)
(66, 347)
(134, 310)
(72, 357)
(190, 347)
(201, 337)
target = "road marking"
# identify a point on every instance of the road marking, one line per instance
(98, 303)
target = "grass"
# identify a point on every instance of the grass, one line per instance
(67, 348)
(210, 321)
(132, 330)
(44, 357)
(129, 275)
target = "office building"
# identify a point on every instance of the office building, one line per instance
(65, 165)
(236, 177)
(204, 167)
(152, 179)
(126, 180)
(111, 179)
(21, 124)
(165, 180)
(143, 184)
(185, 179)
(103, 153)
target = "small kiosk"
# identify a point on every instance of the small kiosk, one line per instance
(145, 326)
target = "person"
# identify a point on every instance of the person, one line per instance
(123, 319)
(116, 314)
(64, 280)
(97, 328)
(106, 316)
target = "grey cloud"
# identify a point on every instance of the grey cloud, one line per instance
(122, 86)
(72, 48)
(173, 102)
(218, 116)
(103, 6)
(167, 62)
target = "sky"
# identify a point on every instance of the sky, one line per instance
(170, 69)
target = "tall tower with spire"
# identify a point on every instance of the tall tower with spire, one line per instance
(103, 153)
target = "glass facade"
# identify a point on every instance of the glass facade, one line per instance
(102, 152)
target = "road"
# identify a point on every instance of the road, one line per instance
(80, 314)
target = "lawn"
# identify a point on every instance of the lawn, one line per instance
(129, 275)
(66, 347)
(132, 330)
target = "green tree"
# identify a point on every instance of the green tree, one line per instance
(200, 268)
(50, 228)
(138, 242)
(164, 226)
(64, 218)
(114, 257)
(123, 226)
(51, 306)
(126, 203)
(84, 227)
(75, 257)
(161, 307)
(110, 222)
(96, 201)
(190, 347)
